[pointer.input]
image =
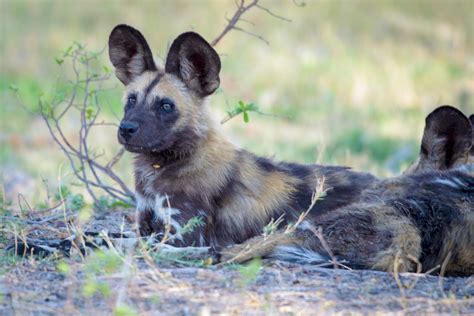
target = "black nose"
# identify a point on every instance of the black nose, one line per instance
(126, 129)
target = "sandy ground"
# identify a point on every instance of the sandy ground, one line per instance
(280, 288)
(35, 286)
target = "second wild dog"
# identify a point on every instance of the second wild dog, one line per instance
(424, 219)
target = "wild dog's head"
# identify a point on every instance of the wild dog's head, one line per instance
(447, 141)
(165, 111)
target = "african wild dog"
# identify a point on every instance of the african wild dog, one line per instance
(185, 166)
(424, 217)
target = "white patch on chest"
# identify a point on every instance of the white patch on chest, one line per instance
(162, 211)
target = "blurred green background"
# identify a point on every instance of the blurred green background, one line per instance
(346, 82)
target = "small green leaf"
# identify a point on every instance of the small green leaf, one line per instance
(67, 52)
(246, 117)
(124, 310)
(63, 267)
(118, 203)
(59, 61)
(250, 271)
(90, 287)
(90, 111)
(64, 192)
(13, 88)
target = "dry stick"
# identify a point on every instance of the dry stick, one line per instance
(432, 270)
(22, 197)
(418, 271)
(319, 234)
(396, 275)
(442, 272)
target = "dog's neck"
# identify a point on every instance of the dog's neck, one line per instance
(200, 170)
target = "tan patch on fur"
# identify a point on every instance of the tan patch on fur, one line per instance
(406, 241)
(261, 193)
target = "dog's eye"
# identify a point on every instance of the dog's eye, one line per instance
(167, 105)
(132, 99)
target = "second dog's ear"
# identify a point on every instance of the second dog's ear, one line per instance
(447, 139)
(129, 53)
(195, 62)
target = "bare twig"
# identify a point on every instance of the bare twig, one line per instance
(252, 34)
(442, 273)
(241, 9)
(272, 13)
(318, 232)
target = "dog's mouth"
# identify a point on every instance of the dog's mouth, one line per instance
(141, 148)
(154, 149)
(170, 155)
(166, 150)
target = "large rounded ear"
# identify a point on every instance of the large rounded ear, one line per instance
(129, 53)
(195, 62)
(447, 139)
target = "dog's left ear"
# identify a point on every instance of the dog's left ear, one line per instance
(195, 62)
(129, 53)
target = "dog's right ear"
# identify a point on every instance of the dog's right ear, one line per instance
(447, 139)
(129, 53)
(192, 59)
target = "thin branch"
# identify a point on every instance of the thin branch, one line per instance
(272, 13)
(241, 9)
(236, 28)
